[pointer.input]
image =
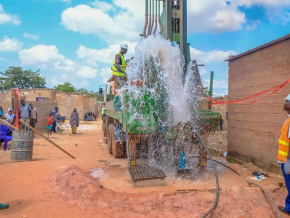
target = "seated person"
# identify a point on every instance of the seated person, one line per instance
(10, 117)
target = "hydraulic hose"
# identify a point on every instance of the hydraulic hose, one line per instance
(255, 184)
(216, 176)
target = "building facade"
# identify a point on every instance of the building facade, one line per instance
(254, 129)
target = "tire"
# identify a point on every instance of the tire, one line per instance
(62, 129)
(110, 137)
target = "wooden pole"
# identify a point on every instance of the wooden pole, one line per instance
(36, 131)
(8, 124)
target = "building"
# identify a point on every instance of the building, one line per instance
(253, 129)
(47, 99)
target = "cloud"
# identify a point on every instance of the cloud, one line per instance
(30, 36)
(8, 18)
(105, 55)
(220, 87)
(104, 6)
(204, 57)
(46, 57)
(276, 10)
(87, 72)
(253, 25)
(10, 44)
(214, 16)
(125, 23)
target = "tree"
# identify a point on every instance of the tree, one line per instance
(15, 77)
(65, 87)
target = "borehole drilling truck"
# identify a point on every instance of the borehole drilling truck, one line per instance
(130, 134)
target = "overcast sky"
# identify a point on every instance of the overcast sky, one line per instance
(75, 41)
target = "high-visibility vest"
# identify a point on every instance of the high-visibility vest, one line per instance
(115, 71)
(284, 142)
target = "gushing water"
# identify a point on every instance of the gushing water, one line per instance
(175, 91)
(161, 65)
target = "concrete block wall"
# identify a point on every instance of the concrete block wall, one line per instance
(253, 129)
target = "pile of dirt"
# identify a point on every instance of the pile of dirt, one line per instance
(79, 188)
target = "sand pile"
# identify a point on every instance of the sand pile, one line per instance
(79, 188)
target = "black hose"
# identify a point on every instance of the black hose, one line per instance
(254, 184)
(216, 175)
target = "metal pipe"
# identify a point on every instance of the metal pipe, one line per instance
(152, 15)
(155, 18)
(159, 20)
(149, 27)
(146, 19)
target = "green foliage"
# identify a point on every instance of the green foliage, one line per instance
(15, 77)
(65, 87)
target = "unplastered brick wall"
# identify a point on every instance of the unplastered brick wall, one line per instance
(68, 101)
(253, 129)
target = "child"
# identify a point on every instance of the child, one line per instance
(49, 121)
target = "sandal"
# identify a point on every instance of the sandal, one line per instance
(283, 210)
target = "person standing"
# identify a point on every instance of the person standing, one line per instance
(119, 67)
(74, 121)
(49, 123)
(221, 123)
(10, 117)
(33, 119)
(1, 112)
(24, 114)
(54, 114)
(284, 155)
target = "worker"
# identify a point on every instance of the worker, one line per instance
(119, 67)
(284, 155)
(221, 123)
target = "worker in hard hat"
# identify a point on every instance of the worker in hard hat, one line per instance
(284, 155)
(119, 67)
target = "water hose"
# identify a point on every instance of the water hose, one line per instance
(273, 204)
(216, 176)
(255, 184)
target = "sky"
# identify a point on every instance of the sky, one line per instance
(76, 41)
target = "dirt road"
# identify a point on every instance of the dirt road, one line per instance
(97, 185)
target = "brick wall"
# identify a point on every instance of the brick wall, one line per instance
(253, 130)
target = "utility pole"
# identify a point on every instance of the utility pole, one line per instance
(210, 89)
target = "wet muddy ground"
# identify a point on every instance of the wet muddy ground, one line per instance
(97, 185)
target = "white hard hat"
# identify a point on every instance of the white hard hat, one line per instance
(124, 46)
(288, 97)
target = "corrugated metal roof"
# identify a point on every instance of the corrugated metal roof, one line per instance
(284, 38)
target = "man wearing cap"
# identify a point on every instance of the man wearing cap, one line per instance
(119, 67)
(284, 155)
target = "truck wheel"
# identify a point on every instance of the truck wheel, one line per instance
(110, 137)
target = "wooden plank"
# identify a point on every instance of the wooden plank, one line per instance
(7, 124)
(36, 131)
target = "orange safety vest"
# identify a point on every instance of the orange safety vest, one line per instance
(284, 142)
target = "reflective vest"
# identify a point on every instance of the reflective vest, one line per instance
(115, 71)
(284, 142)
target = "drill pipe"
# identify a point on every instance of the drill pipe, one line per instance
(149, 27)
(159, 20)
(146, 19)
(155, 18)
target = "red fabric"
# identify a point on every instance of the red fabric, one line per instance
(268, 92)
(49, 120)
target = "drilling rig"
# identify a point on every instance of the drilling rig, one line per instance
(133, 135)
